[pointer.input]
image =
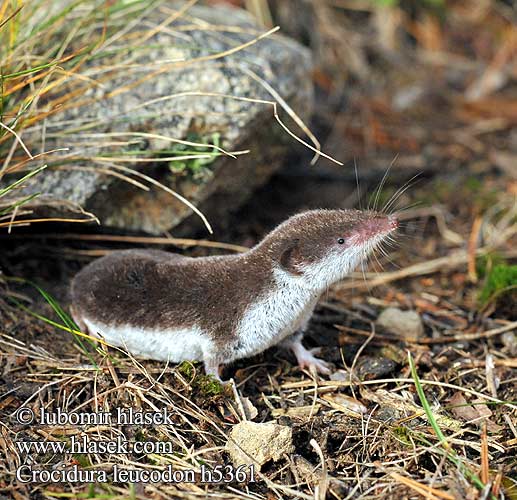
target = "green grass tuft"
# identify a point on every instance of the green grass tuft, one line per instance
(500, 283)
(447, 449)
(198, 169)
(186, 368)
(86, 345)
(209, 386)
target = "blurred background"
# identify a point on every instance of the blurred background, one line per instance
(426, 86)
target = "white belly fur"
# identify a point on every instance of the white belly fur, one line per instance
(284, 310)
(173, 345)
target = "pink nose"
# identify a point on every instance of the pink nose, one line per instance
(376, 226)
(393, 222)
(381, 224)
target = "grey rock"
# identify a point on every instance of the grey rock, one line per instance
(241, 125)
(403, 323)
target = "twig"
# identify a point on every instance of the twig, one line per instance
(424, 490)
(437, 340)
(146, 240)
(321, 490)
(474, 235)
(346, 383)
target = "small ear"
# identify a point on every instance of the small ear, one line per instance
(290, 257)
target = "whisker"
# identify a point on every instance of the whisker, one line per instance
(374, 255)
(390, 245)
(399, 193)
(362, 270)
(411, 222)
(401, 188)
(383, 254)
(382, 250)
(359, 194)
(390, 238)
(383, 180)
(396, 196)
(406, 208)
(388, 257)
(364, 262)
(412, 237)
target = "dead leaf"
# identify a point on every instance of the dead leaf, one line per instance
(345, 404)
(477, 414)
(296, 411)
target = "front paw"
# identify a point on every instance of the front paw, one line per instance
(314, 364)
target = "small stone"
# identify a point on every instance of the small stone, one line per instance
(402, 323)
(249, 408)
(252, 443)
(509, 340)
(370, 368)
(339, 375)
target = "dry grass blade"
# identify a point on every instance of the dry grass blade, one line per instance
(474, 235)
(424, 490)
(26, 222)
(161, 186)
(455, 337)
(453, 260)
(166, 138)
(273, 104)
(484, 455)
(144, 240)
(321, 491)
(291, 113)
(18, 138)
(10, 16)
(329, 384)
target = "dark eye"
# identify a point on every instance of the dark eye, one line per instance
(341, 241)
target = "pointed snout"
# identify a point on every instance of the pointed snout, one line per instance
(393, 223)
(376, 225)
(381, 224)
